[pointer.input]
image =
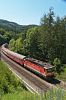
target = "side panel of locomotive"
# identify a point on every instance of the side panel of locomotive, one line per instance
(35, 67)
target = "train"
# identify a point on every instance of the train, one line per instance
(42, 68)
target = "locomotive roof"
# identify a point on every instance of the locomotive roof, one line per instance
(41, 63)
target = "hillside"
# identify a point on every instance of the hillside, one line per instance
(7, 25)
(9, 30)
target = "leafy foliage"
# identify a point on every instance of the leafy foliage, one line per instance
(50, 95)
(8, 82)
(58, 65)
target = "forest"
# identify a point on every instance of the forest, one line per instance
(46, 41)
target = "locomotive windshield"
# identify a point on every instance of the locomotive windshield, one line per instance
(50, 69)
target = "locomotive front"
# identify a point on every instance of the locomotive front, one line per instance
(49, 69)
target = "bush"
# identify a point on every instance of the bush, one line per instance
(8, 82)
(58, 65)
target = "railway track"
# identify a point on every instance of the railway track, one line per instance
(62, 85)
(58, 83)
(33, 82)
(38, 85)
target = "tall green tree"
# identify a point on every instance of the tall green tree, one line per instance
(47, 33)
(32, 42)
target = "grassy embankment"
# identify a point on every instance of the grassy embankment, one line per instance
(51, 95)
(12, 89)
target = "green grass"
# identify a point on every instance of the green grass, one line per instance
(51, 95)
(8, 82)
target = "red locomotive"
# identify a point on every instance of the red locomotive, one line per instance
(43, 68)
